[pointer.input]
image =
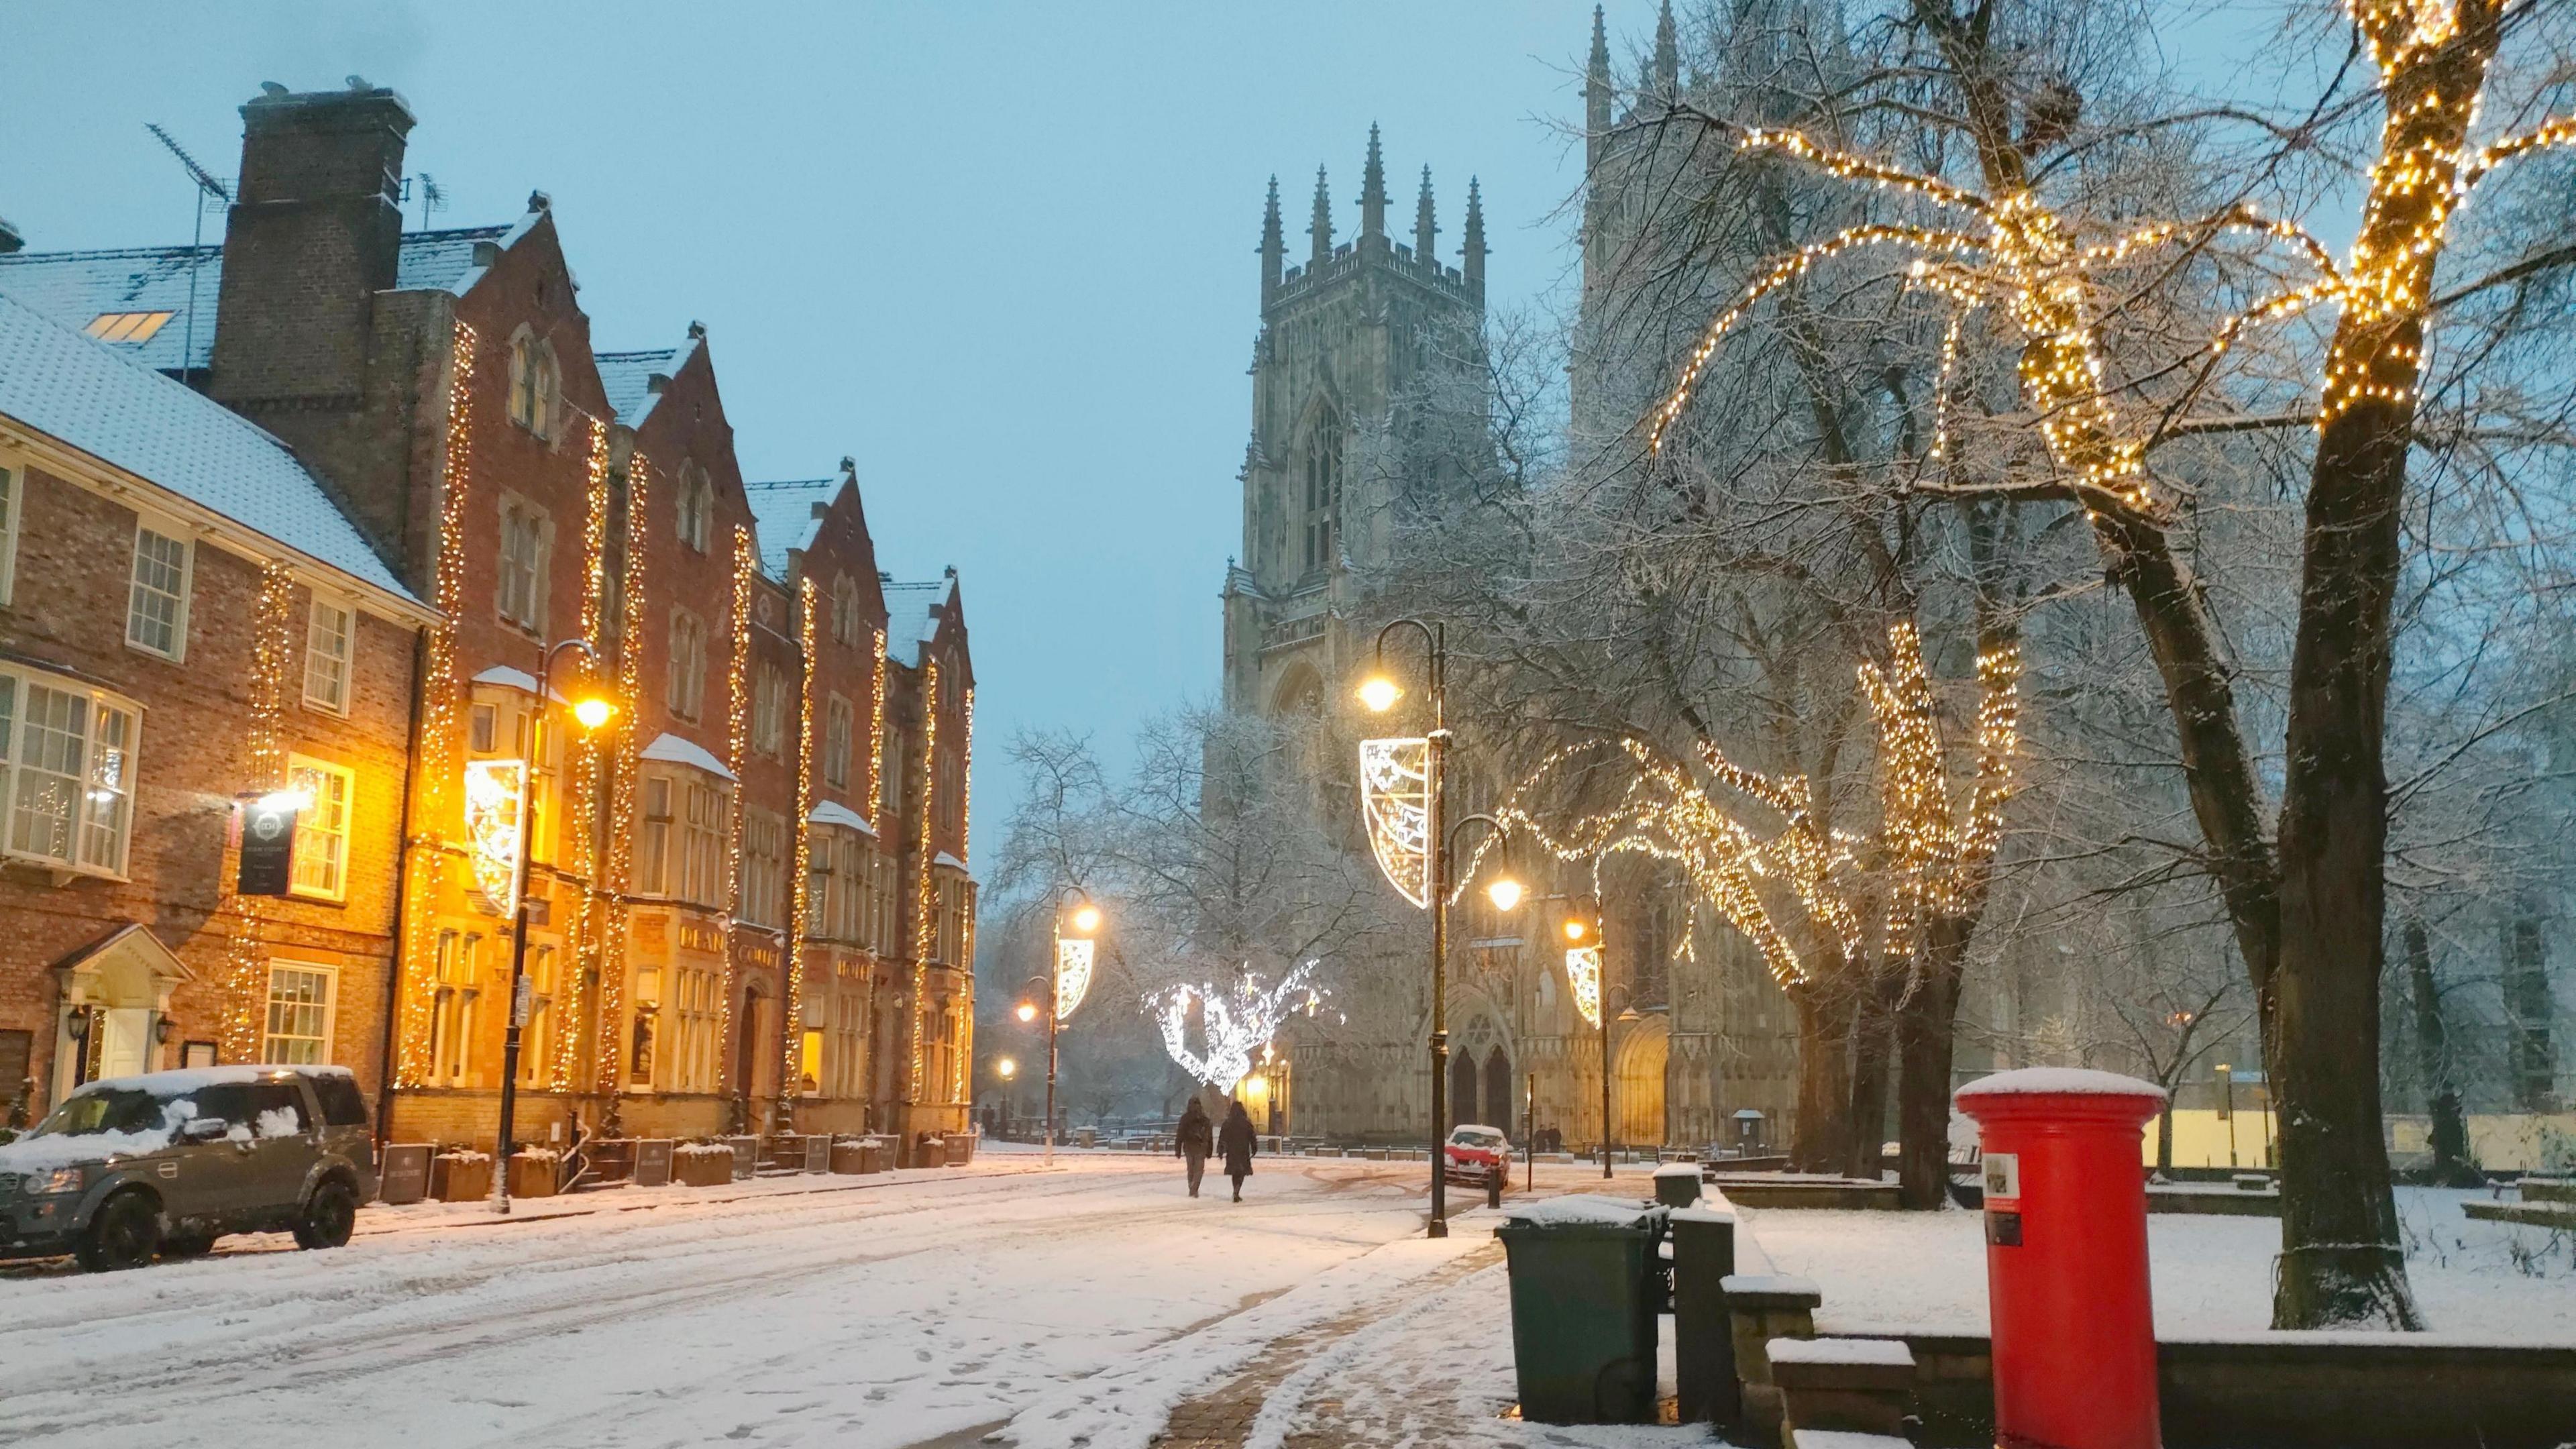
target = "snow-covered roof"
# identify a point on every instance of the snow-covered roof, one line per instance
(950, 861)
(81, 393)
(518, 679)
(910, 622)
(627, 377)
(786, 516)
(833, 812)
(671, 749)
(75, 288)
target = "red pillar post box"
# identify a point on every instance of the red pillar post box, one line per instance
(2066, 1256)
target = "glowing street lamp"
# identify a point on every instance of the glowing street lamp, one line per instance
(1068, 980)
(591, 711)
(1410, 831)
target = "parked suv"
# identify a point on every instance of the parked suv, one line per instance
(169, 1161)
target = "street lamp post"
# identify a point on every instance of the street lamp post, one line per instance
(592, 711)
(1086, 920)
(1629, 1014)
(1380, 692)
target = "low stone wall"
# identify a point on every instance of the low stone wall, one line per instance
(2227, 1202)
(1755, 1190)
(2296, 1391)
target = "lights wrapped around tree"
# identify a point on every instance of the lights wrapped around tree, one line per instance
(1921, 863)
(2027, 261)
(1235, 1023)
(1073, 957)
(746, 570)
(1395, 800)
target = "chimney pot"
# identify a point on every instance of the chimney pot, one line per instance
(539, 201)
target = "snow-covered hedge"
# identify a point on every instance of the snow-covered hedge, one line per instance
(537, 1154)
(462, 1156)
(701, 1150)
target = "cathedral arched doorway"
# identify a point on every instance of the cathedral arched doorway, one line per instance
(1502, 1104)
(1462, 1089)
(1638, 1064)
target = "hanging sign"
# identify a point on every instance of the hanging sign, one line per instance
(1395, 800)
(268, 844)
(1072, 973)
(495, 792)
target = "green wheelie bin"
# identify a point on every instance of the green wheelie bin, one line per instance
(1586, 1286)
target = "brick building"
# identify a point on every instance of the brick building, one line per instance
(750, 904)
(185, 620)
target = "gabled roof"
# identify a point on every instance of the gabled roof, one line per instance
(83, 394)
(627, 377)
(74, 288)
(913, 614)
(787, 515)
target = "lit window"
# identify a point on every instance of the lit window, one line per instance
(534, 381)
(483, 733)
(454, 1007)
(685, 689)
(127, 327)
(536, 1042)
(322, 831)
(67, 757)
(156, 614)
(702, 845)
(299, 1013)
(523, 565)
(327, 641)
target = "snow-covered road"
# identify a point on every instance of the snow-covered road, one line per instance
(872, 1312)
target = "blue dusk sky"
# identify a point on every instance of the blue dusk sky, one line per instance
(1000, 253)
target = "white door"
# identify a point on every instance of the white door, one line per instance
(126, 1051)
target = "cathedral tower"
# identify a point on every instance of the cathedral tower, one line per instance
(1350, 343)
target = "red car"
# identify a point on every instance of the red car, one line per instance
(1477, 1155)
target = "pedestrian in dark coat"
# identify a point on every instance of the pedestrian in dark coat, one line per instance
(1193, 1141)
(1237, 1141)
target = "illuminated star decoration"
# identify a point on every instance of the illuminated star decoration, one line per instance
(1395, 800)
(1237, 1022)
(1072, 973)
(1583, 976)
(495, 792)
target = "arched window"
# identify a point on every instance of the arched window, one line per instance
(697, 506)
(534, 383)
(845, 610)
(1321, 515)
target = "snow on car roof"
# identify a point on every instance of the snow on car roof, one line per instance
(192, 1079)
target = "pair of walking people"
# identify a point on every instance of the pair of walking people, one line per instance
(1195, 1142)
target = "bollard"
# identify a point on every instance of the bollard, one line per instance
(1703, 1330)
(2066, 1257)
(1494, 1190)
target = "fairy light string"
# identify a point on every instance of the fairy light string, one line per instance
(2028, 262)
(588, 759)
(244, 983)
(440, 744)
(799, 887)
(746, 569)
(623, 791)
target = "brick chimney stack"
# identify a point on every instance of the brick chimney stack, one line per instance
(314, 233)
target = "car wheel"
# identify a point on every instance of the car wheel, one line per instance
(124, 1233)
(328, 1216)
(191, 1245)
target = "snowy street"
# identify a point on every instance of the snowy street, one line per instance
(880, 1311)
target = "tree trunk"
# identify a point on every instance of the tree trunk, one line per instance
(2164, 1136)
(1870, 1052)
(1925, 1042)
(2452, 1166)
(1821, 1139)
